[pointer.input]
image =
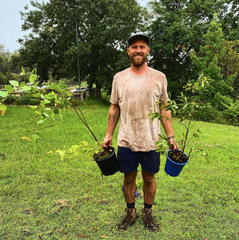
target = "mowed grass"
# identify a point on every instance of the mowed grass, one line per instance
(44, 197)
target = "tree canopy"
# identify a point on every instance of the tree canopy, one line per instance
(91, 30)
(177, 29)
(95, 33)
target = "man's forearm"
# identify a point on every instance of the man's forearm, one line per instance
(166, 121)
(113, 118)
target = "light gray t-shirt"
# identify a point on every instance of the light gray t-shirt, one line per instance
(136, 96)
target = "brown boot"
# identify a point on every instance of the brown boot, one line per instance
(129, 219)
(149, 219)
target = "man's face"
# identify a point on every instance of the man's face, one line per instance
(138, 52)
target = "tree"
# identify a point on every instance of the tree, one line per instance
(213, 61)
(101, 28)
(229, 64)
(5, 57)
(178, 28)
(230, 21)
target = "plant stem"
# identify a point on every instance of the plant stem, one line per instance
(187, 127)
(82, 118)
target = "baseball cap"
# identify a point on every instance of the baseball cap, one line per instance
(138, 36)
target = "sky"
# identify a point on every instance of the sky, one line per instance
(10, 22)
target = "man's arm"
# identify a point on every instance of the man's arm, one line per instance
(167, 125)
(113, 118)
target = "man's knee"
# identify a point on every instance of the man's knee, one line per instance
(130, 177)
(149, 178)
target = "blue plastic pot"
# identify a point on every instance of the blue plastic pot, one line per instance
(172, 168)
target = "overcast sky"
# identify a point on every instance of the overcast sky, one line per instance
(10, 22)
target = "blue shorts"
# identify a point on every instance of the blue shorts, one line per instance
(129, 161)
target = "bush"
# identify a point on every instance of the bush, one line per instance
(231, 114)
(18, 102)
(11, 76)
(28, 99)
(3, 80)
(207, 113)
(10, 99)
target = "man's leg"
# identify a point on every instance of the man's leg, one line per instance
(149, 188)
(130, 186)
(129, 193)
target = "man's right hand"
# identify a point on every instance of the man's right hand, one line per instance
(107, 142)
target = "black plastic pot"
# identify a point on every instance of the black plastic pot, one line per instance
(109, 165)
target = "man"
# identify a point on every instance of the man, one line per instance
(134, 93)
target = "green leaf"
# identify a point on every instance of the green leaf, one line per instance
(185, 106)
(26, 88)
(34, 71)
(50, 95)
(37, 95)
(46, 101)
(33, 107)
(35, 136)
(45, 114)
(40, 121)
(8, 88)
(37, 112)
(23, 71)
(22, 84)
(3, 94)
(32, 78)
(60, 114)
(14, 83)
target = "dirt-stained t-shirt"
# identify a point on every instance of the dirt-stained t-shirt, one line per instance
(136, 96)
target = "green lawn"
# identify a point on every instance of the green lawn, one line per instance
(44, 197)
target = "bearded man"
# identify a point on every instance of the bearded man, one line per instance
(134, 93)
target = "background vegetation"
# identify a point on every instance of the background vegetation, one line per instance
(44, 197)
(188, 38)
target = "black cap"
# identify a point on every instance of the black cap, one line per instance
(138, 36)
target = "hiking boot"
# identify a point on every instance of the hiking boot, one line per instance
(149, 219)
(129, 219)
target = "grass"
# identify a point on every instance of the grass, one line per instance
(44, 197)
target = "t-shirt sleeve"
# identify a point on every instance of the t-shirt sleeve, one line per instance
(114, 93)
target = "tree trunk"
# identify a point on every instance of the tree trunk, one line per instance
(98, 91)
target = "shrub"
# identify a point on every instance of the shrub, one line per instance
(207, 113)
(231, 114)
(28, 99)
(18, 102)
(2, 79)
(10, 99)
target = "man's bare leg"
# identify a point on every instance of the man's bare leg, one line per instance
(149, 189)
(129, 193)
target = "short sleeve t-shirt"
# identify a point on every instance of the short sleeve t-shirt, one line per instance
(136, 97)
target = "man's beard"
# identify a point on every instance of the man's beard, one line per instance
(138, 63)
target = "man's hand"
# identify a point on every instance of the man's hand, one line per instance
(107, 142)
(172, 144)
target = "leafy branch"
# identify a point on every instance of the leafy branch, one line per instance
(186, 111)
(52, 100)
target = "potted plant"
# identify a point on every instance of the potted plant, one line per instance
(52, 100)
(186, 110)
